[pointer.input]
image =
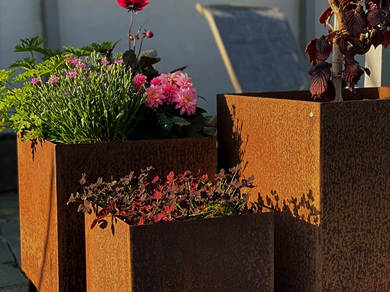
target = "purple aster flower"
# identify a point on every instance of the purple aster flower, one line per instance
(118, 61)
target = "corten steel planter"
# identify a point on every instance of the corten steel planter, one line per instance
(52, 234)
(223, 254)
(338, 151)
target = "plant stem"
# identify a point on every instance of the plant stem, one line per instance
(337, 65)
(140, 46)
(131, 27)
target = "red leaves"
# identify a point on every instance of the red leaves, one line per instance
(325, 15)
(355, 21)
(138, 201)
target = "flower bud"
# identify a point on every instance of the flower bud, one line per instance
(149, 34)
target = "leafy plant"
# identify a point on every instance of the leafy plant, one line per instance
(141, 200)
(79, 102)
(358, 25)
(91, 94)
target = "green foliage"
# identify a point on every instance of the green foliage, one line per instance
(79, 109)
(96, 104)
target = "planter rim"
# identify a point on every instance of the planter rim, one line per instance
(305, 96)
(126, 142)
(187, 221)
(311, 102)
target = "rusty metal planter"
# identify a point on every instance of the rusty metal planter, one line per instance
(52, 234)
(224, 254)
(340, 152)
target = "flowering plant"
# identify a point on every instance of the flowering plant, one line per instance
(142, 200)
(91, 94)
(358, 25)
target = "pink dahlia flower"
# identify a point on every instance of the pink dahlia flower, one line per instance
(139, 80)
(181, 79)
(165, 78)
(170, 92)
(187, 101)
(133, 4)
(154, 97)
(156, 81)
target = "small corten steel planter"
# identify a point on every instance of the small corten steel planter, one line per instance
(340, 152)
(224, 254)
(52, 235)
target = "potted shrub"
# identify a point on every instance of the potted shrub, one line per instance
(163, 235)
(90, 110)
(336, 150)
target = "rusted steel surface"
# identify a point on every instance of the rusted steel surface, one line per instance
(224, 254)
(38, 215)
(52, 233)
(340, 152)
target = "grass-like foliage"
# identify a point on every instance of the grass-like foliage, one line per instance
(142, 200)
(74, 101)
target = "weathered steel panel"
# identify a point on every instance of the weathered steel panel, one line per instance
(224, 254)
(53, 173)
(338, 151)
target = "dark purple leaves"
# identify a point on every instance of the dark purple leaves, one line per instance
(354, 21)
(325, 15)
(345, 3)
(386, 39)
(318, 50)
(343, 46)
(375, 16)
(352, 72)
(378, 38)
(320, 74)
(372, 4)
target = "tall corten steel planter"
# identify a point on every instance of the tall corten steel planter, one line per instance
(52, 234)
(224, 254)
(338, 151)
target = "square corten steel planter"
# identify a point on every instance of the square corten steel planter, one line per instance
(223, 254)
(338, 151)
(52, 233)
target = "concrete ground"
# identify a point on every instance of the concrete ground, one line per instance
(11, 276)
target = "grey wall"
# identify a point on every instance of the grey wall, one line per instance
(18, 19)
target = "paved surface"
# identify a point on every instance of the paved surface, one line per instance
(11, 277)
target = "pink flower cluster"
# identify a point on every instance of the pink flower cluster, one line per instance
(175, 88)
